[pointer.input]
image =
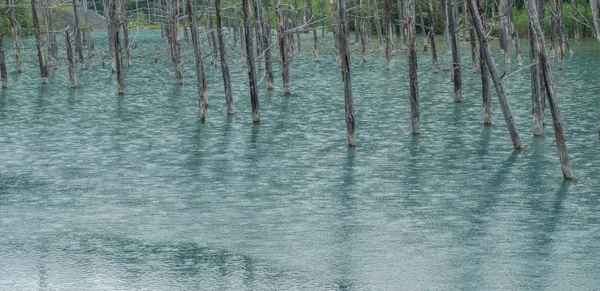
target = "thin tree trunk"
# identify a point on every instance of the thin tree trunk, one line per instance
(51, 45)
(250, 61)
(258, 28)
(2, 62)
(285, 69)
(517, 48)
(363, 33)
(213, 41)
(345, 61)
(575, 19)
(335, 25)
(111, 46)
(432, 38)
(322, 15)
(115, 24)
(236, 27)
(558, 127)
(422, 21)
(202, 94)
(559, 27)
(456, 71)
(378, 23)
(78, 43)
(485, 72)
(267, 48)
(124, 23)
(356, 29)
(536, 96)
(489, 59)
(297, 24)
(88, 30)
(503, 8)
(595, 5)
(14, 30)
(447, 28)
(473, 40)
(70, 61)
(314, 30)
(39, 42)
(412, 61)
(401, 24)
(388, 32)
(173, 37)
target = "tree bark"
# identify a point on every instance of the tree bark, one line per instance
(250, 61)
(14, 30)
(473, 40)
(111, 45)
(432, 38)
(77, 31)
(595, 5)
(489, 59)
(39, 42)
(345, 62)
(88, 31)
(536, 96)
(556, 118)
(503, 9)
(574, 19)
(2, 62)
(70, 61)
(401, 24)
(285, 70)
(51, 46)
(412, 60)
(388, 34)
(559, 26)
(173, 37)
(297, 24)
(378, 23)
(485, 73)
(456, 71)
(115, 24)
(223, 54)
(201, 80)
(363, 33)
(314, 30)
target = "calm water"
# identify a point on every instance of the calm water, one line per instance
(107, 192)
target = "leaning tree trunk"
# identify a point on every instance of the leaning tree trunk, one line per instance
(202, 95)
(285, 67)
(70, 61)
(78, 43)
(14, 30)
(250, 61)
(432, 38)
(39, 42)
(489, 59)
(388, 34)
(456, 71)
(412, 61)
(222, 53)
(485, 72)
(2, 62)
(345, 62)
(558, 127)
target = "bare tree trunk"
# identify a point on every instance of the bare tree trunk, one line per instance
(422, 22)
(77, 31)
(432, 38)
(558, 127)
(412, 61)
(111, 45)
(575, 19)
(559, 26)
(202, 94)
(322, 15)
(517, 48)
(285, 69)
(2, 62)
(595, 5)
(363, 33)
(115, 22)
(489, 59)
(51, 45)
(356, 29)
(70, 61)
(297, 24)
(401, 24)
(14, 29)
(88, 30)
(267, 48)
(314, 30)
(39, 42)
(456, 71)
(250, 61)
(335, 25)
(378, 23)
(536, 96)
(173, 37)
(124, 23)
(345, 61)
(236, 27)
(485, 73)
(388, 34)
(473, 40)
(447, 27)
(222, 53)
(504, 29)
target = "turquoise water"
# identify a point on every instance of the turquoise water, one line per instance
(107, 192)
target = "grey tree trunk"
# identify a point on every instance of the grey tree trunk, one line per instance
(595, 5)
(285, 69)
(456, 71)
(70, 61)
(412, 64)
(115, 23)
(345, 62)
(314, 30)
(378, 23)
(111, 45)
(2, 62)
(335, 25)
(503, 9)
(297, 24)
(211, 34)
(401, 24)
(40, 44)
(88, 30)
(124, 23)
(559, 26)
(250, 61)
(575, 19)
(485, 73)
(388, 34)
(473, 40)
(14, 30)
(432, 38)
(489, 59)
(173, 38)
(322, 15)
(77, 30)
(202, 94)
(258, 33)
(517, 48)
(51, 45)
(223, 54)
(446, 27)
(558, 127)
(536, 96)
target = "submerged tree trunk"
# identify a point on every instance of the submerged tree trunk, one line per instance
(363, 33)
(378, 22)
(285, 70)
(173, 38)
(485, 72)
(88, 31)
(250, 61)
(202, 94)
(489, 59)
(2, 62)
(473, 40)
(345, 62)
(312, 27)
(39, 42)
(111, 46)
(558, 127)
(77, 31)
(388, 34)
(456, 71)
(124, 22)
(559, 27)
(536, 96)
(70, 61)
(223, 54)
(504, 29)
(51, 46)
(412, 64)
(14, 30)
(115, 24)
(432, 39)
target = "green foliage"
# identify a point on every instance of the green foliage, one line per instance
(521, 19)
(23, 17)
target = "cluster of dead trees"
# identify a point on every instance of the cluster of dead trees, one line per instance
(292, 20)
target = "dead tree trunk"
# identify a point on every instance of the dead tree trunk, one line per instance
(489, 59)
(456, 71)
(39, 42)
(88, 31)
(14, 30)
(595, 5)
(313, 28)
(111, 45)
(250, 61)
(517, 47)
(503, 9)
(575, 19)
(401, 24)
(412, 64)
(345, 61)
(267, 48)
(77, 30)
(202, 95)
(322, 15)
(297, 24)
(2, 62)
(124, 23)
(335, 25)
(222, 53)
(51, 46)
(236, 27)
(285, 69)
(473, 40)
(363, 33)
(432, 38)
(559, 27)
(536, 96)
(70, 61)
(378, 23)
(173, 38)
(388, 34)
(485, 72)
(446, 27)
(558, 127)
(211, 34)
(115, 24)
